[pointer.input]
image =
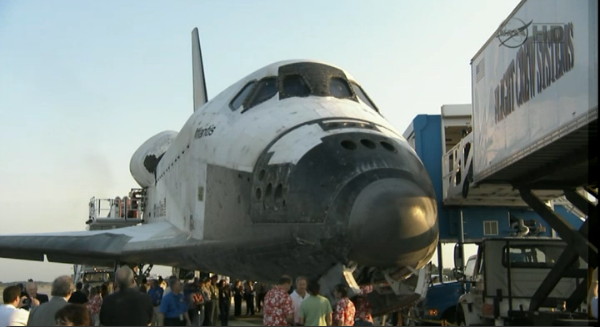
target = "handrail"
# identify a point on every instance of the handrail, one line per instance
(456, 167)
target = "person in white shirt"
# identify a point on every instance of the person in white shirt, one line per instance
(298, 296)
(11, 313)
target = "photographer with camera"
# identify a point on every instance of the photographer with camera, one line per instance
(33, 298)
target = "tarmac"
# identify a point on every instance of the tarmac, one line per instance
(256, 320)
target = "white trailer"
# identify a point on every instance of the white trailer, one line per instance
(534, 138)
(535, 105)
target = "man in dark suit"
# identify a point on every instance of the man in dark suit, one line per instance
(34, 299)
(128, 306)
(62, 288)
(78, 296)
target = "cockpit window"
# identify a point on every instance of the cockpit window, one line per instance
(265, 89)
(295, 86)
(338, 88)
(300, 79)
(238, 100)
(363, 96)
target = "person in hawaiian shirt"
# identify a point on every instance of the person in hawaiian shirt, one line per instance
(278, 309)
(344, 308)
(94, 304)
(363, 315)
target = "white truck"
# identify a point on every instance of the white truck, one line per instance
(92, 275)
(505, 276)
(109, 213)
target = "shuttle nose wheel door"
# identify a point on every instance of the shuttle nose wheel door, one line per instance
(338, 274)
(388, 295)
(391, 295)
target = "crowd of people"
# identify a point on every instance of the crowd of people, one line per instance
(305, 306)
(199, 302)
(24, 306)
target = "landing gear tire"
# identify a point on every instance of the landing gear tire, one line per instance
(449, 316)
(410, 318)
(460, 317)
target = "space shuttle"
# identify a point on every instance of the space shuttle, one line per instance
(291, 170)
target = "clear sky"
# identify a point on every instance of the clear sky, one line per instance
(84, 83)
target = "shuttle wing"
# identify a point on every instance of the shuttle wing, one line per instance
(150, 243)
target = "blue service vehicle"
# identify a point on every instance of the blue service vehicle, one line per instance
(439, 306)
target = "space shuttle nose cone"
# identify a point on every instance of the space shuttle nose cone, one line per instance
(393, 222)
